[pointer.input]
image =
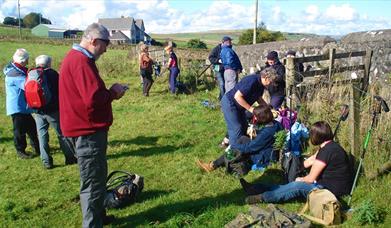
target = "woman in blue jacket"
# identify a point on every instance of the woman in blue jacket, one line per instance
(258, 151)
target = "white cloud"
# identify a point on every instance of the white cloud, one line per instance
(311, 13)
(341, 13)
(161, 16)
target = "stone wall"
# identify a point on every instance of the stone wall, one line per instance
(379, 41)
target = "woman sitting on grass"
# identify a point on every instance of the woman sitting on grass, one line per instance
(258, 151)
(330, 169)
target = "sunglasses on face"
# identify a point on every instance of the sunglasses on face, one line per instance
(107, 42)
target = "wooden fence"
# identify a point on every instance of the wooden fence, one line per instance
(359, 85)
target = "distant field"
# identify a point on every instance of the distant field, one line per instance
(213, 37)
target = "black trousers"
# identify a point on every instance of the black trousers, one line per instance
(147, 81)
(25, 124)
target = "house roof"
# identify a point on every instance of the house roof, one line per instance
(53, 27)
(122, 23)
(140, 23)
(118, 36)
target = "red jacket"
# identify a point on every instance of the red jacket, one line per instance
(85, 103)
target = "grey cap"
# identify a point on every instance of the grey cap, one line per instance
(96, 31)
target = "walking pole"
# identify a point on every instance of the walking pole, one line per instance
(379, 105)
(343, 117)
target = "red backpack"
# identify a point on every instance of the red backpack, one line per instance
(36, 88)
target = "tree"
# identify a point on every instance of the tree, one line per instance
(33, 19)
(196, 43)
(10, 21)
(263, 35)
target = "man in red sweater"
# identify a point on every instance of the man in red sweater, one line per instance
(85, 118)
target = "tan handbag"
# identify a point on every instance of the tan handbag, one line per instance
(324, 207)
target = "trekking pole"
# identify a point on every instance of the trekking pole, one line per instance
(204, 70)
(343, 117)
(379, 105)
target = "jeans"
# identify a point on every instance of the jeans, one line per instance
(230, 79)
(235, 120)
(91, 157)
(282, 193)
(24, 124)
(220, 79)
(43, 121)
(174, 71)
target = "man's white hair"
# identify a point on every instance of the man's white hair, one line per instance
(20, 56)
(96, 31)
(43, 61)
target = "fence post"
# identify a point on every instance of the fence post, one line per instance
(355, 119)
(367, 65)
(290, 78)
(332, 60)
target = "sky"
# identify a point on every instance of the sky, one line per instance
(322, 17)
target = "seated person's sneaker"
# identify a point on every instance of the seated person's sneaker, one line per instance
(208, 167)
(254, 199)
(248, 188)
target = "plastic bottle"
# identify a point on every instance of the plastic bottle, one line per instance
(229, 153)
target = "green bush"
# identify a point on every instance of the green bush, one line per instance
(368, 213)
(197, 44)
(263, 35)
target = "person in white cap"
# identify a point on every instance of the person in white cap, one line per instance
(49, 114)
(85, 118)
(23, 123)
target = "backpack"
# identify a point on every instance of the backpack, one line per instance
(292, 166)
(36, 88)
(123, 188)
(324, 207)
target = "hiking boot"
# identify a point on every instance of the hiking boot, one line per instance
(254, 199)
(23, 155)
(248, 188)
(208, 167)
(70, 161)
(107, 219)
(48, 165)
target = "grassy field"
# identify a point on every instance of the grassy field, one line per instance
(159, 137)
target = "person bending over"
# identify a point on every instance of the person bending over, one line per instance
(330, 169)
(258, 151)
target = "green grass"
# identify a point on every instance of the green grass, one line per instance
(159, 137)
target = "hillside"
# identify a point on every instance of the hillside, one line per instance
(214, 36)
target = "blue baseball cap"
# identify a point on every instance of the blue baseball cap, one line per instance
(226, 38)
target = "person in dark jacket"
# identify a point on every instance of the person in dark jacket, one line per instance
(218, 68)
(49, 114)
(330, 169)
(258, 151)
(172, 65)
(23, 123)
(277, 90)
(232, 65)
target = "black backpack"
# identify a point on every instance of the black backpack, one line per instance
(123, 188)
(292, 165)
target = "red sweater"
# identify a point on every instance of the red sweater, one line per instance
(85, 103)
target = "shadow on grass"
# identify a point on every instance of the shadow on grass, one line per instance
(162, 213)
(148, 151)
(139, 140)
(6, 139)
(152, 194)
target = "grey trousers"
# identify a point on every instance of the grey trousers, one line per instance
(90, 151)
(230, 79)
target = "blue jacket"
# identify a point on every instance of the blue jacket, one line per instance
(14, 89)
(230, 59)
(261, 148)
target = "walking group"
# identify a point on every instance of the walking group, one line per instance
(243, 105)
(80, 112)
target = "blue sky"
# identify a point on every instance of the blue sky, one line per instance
(324, 17)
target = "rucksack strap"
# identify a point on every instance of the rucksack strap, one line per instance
(111, 181)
